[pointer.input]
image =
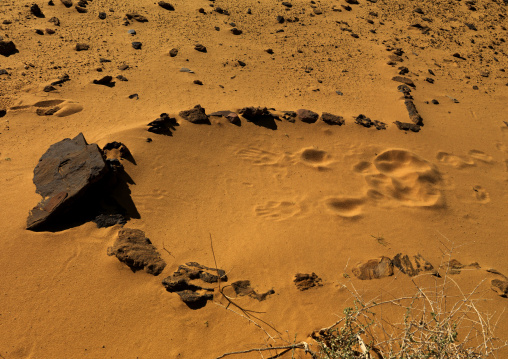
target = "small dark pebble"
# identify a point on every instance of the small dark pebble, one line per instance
(102, 15)
(49, 88)
(137, 45)
(134, 96)
(166, 5)
(429, 80)
(198, 82)
(122, 78)
(435, 102)
(173, 52)
(236, 31)
(200, 48)
(82, 47)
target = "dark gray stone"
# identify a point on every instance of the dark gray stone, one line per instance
(307, 116)
(166, 5)
(137, 252)
(330, 119)
(63, 175)
(7, 48)
(195, 115)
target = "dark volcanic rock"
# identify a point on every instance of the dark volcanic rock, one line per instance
(243, 288)
(81, 10)
(414, 116)
(62, 79)
(195, 115)
(236, 31)
(173, 52)
(364, 121)
(166, 5)
(163, 125)
(137, 45)
(200, 48)
(135, 250)
(194, 295)
(137, 17)
(36, 11)
(500, 287)
(404, 80)
(332, 119)
(406, 126)
(307, 281)
(67, 3)
(414, 266)
(231, 116)
(7, 48)
(82, 47)
(102, 15)
(254, 114)
(106, 81)
(3, 113)
(64, 174)
(307, 116)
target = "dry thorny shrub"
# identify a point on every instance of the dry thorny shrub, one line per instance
(440, 321)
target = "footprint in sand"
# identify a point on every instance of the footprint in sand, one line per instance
(346, 207)
(278, 211)
(481, 194)
(315, 158)
(260, 157)
(469, 160)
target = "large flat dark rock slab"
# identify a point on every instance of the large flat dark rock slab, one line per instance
(63, 175)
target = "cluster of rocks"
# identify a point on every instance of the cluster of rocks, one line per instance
(75, 180)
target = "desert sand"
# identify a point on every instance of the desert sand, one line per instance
(277, 198)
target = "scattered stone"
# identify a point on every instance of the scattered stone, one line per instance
(137, 45)
(7, 48)
(458, 56)
(307, 281)
(36, 11)
(194, 296)
(269, 51)
(241, 63)
(435, 102)
(39, 32)
(374, 269)
(236, 31)
(330, 119)
(429, 80)
(185, 69)
(137, 17)
(81, 9)
(280, 19)
(3, 113)
(195, 115)
(163, 125)
(166, 6)
(414, 116)
(406, 91)
(200, 48)
(123, 67)
(137, 252)
(454, 266)
(231, 116)
(55, 21)
(500, 287)
(134, 96)
(255, 114)
(404, 80)
(3, 72)
(122, 78)
(82, 47)
(307, 116)
(414, 266)
(287, 4)
(173, 52)
(50, 31)
(67, 3)
(289, 116)
(106, 81)
(367, 122)
(131, 32)
(63, 175)
(102, 15)
(406, 126)
(61, 80)
(49, 88)
(243, 288)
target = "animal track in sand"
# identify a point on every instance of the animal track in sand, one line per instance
(463, 161)
(346, 207)
(261, 157)
(278, 211)
(481, 194)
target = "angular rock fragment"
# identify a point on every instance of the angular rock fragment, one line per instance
(406, 126)
(404, 80)
(195, 115)
(173, 52)
(82, 47)
(454, 266)
(81, 9)
(200, 48)
(62, 79)
(414, 116)
(137, 252)
(307, 116)
(165, 5)
(307, 281)
(36, 11)
(63, 175)
(67, 3)
(413, 266)
(137, 17)
(254, 114)
(163, 125)
(243, 288)
(137, 45)
(289, 116)
(7, 48)
(364, 121)
(500, 287)
(230, 115)
(374, 269)
(330, 119)
(105, 81)
(194, 295)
